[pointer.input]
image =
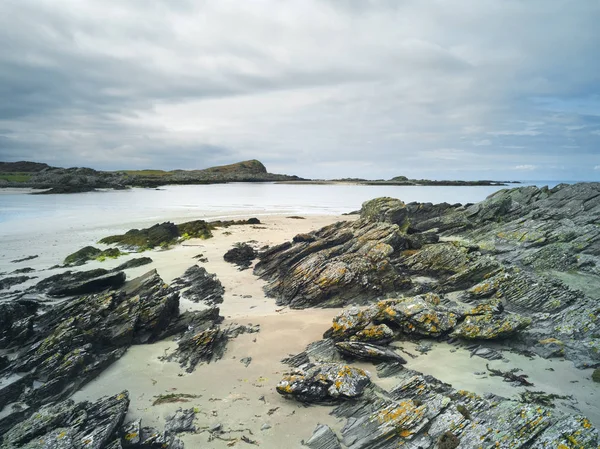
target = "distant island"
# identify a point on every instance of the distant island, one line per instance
(80, 179)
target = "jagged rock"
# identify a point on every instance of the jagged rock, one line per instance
(75, 340)
(205, 343)
(181, 421)
(369, 352)
(131, 434)
(68, 424)
(241, 254)
(422, 412)
(346, 262)
(9, 282)
(100, 283)
(324, 383)
(133, 263)
(489, 326)
(79, 282)
(323, 438)
(200, 285)
(596, 375)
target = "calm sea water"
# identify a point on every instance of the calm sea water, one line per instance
(54, 225)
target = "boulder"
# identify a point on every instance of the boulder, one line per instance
(324, 383)
(241, 255)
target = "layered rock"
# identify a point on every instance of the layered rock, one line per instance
(324, 383)
(336, 265)
(94, 425)
(56, 352)
(534, 250)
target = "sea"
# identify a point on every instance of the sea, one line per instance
(52, 226)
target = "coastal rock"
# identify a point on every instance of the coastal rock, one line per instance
(181, 421)
(423, 412)
(166, 234)
(323, 438)
(385, 210)
(68, 424)
(368, 351)
(204, 343)
(421, 315)
(490, 326)
(79, 282)
(82, 256)
(200, 286)
(324, 383)
(9, 282)
(90, 285)
(133, 263)
(75, 340)
(241, 255)
(347, 262)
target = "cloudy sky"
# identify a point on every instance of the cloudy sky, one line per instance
(460, 89)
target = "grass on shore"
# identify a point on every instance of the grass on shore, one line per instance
(15, 176)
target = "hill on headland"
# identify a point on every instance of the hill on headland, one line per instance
(81, 179)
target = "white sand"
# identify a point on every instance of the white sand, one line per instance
(230, 393)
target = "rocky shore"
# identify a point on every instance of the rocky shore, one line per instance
(79, 179)
(515, 273)
(54, 180)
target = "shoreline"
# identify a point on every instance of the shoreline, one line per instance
(227, 383)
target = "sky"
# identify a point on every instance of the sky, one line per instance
(439, 89)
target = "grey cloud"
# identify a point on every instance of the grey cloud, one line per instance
(317, 88)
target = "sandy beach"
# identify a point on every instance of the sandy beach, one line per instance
(243, 399)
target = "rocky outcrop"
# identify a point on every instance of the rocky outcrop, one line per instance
(534, 251)
(347, 262)
(70, 425)
(88, 253)
(324, 383)
(241, 255)
(205, 342)
(133, 263)
(422, 412)
(80, 179)
(72, 283)
(95, 425)
(200, 286)
(11, 281)
(72, 342)
(166, 234)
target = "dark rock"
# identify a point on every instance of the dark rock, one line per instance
(66, 189)
(133, 263)
(96, 284)
(181, 421)
(324, 383)
(68, 424)
(241, 254)
(75, 340)
(23, 270)
(24, 259)
(204, 343)
(9, 282)
(596, 375)
(368, 351)
(200, 285)
(82, 256)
